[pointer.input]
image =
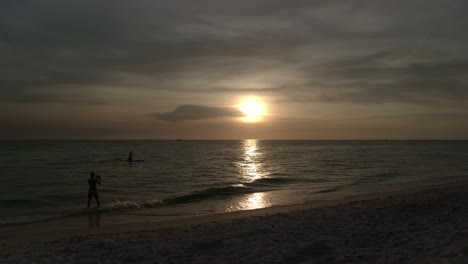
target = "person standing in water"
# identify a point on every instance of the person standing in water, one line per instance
(130, 157)
(93, 188)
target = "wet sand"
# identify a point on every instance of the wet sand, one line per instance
(426, 225)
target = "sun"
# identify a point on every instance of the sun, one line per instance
(252, 109)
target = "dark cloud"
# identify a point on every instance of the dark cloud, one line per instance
(197, 112)
(52, 45)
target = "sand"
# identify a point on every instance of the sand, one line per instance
(412, 226)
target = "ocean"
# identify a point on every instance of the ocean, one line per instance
(47, 180)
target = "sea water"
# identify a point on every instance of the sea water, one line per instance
(46, 180)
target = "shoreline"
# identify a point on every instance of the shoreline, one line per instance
(49, 234)
(421, 225)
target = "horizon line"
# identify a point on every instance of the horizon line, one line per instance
(207, 139)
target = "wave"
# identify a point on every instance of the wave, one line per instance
(232, 189)
(187, 198)
(209, 193)
(278, 180)
(118, 205)
(132, 204)
(237, 189)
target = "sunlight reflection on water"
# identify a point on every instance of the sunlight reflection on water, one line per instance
(251, 167)
(255, 201)
(252, 170)
(251, 201)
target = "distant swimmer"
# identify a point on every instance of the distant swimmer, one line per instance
(93, 188)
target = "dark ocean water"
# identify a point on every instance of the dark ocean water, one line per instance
(43, 180)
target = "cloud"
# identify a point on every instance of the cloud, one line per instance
(168, 46)
(384, 77)
(302, 52)
(422, 117)
(184, 113)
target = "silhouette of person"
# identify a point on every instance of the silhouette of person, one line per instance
(130, 157)
(93, 188)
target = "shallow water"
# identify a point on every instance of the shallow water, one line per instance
(44, 180)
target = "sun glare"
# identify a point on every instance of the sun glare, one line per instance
(252, 109)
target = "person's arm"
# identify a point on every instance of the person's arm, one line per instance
(98, 179)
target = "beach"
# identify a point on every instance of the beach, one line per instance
(234, 132)
(425, 225)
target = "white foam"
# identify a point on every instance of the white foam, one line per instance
(133, 204)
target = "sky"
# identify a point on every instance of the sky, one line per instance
(181, 69)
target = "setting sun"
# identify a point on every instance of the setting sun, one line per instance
(252, 109)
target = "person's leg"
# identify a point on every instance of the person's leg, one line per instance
(96, 196)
